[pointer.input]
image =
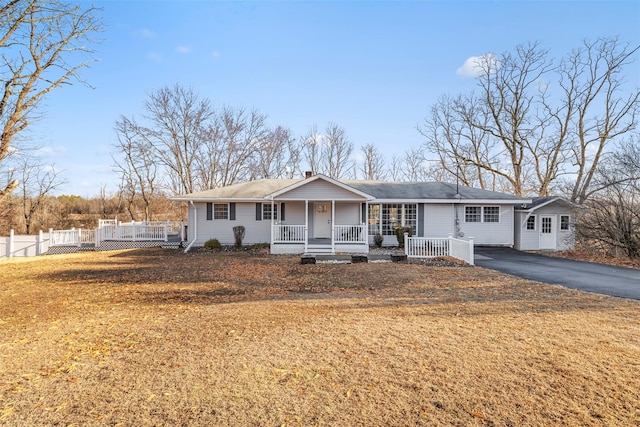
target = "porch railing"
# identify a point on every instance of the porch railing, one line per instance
(289, 233)
(65, 237)
(427, 247)
(133, 232)
(350, 233)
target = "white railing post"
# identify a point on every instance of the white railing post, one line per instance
(133, 230)
(11, 242)
(79, 234)
(450, 249)
(39, 243)
(306, 240)
(406, 244)
(166, 231)
(471, 251)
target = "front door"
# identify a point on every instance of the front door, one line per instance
(322, 220)
(547, 232)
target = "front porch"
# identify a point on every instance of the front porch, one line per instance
(295, 239)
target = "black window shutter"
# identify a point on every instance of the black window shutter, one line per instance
(209, 211)
(258, 211)
(281, 211)
(364, 212)
(232, 211)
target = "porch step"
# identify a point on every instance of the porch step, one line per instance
(317, 249)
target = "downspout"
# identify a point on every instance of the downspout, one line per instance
(195, 227)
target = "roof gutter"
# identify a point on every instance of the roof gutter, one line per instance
(195, 227)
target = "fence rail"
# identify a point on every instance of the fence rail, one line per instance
(427, 247)
(133, 232)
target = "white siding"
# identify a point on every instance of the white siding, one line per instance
(319, 190)
(526, 240)
(564, 238)
(222, 229)
(347, 213)
(293, 213)
(490, 233)
(438, 220)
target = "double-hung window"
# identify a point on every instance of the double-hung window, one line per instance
(482, 214)
(220, 211)
(564, 222)
(266, 211)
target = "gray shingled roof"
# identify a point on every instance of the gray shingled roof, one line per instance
(258, 189)
(261, 188)
(425, 190)
(536, 202)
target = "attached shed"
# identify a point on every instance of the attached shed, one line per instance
(547, 223)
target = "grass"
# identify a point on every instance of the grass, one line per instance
(153, 337)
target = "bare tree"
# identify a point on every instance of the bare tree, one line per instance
(337, 149)
(136, 164)
(277, 155)
(373, 165)
(176, 133)
(311, 148)
(535, 122)
(603, 108)
(37, 181)
(242, 135)
(40, 42)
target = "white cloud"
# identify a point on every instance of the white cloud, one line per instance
(475, 66)
(145, 33)
(183, 49)
(155, 57)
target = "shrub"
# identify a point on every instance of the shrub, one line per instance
(238, 235)
(378, 240)
(212, 245)
(400, 234)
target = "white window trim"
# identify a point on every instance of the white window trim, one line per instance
(491, 222)
(275, 207)
(535, 223)
(214, 212)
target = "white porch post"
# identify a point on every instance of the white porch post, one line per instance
(272, 221)
(365, 221)
(79, 237)
(333, 225)
(39, 243)
(306, 224)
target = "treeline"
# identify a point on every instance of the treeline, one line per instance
(66, 212)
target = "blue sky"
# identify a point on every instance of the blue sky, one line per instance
(373, 67)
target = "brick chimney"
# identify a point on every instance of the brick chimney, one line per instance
(308, 174)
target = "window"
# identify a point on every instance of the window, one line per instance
(385, 218)
(491, 214)
(266, 211)
(472, 214)
(391, 218)
(220, 211)
(482, 214)
(564, 222)
(531, 222)
(374, 219)
(546, 225)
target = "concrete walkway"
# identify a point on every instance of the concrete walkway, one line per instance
(586, 276)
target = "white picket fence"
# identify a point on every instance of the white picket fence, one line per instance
(433, 247)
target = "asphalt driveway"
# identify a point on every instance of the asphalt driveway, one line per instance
(586, 276)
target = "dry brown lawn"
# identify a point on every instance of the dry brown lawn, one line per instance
(153, 337)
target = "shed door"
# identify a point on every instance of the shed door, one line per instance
(548, 232)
